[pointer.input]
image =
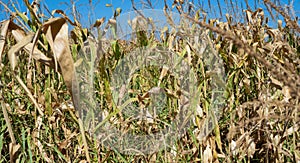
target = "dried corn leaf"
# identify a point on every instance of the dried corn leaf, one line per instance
(61, 12)
(12, 56)
(19, 34)
(56, 30)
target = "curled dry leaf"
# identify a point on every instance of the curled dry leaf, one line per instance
(56, 30)
(19, 35)
(61, 12)
(12, 56)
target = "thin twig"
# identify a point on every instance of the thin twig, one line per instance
(30, 95)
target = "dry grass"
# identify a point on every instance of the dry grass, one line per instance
(259, 123)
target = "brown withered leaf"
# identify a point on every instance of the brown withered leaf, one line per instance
(56, 30)
(12, 56)
(19, 34)
(61, 12)
(13, 149)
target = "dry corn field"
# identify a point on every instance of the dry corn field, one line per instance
(126, 88)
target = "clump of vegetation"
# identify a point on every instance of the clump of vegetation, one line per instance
(39, 91)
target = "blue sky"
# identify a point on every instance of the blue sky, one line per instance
(97, 10)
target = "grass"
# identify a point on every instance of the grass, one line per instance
(257, 93)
